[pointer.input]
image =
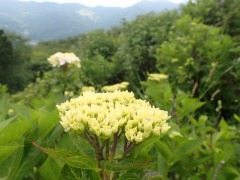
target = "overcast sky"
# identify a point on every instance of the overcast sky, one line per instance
(107, 3)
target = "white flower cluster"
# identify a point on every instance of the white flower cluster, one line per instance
(103, 114)
(115, 87)
(157, 77)
(59, 59)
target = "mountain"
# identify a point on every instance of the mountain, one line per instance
(50, 21)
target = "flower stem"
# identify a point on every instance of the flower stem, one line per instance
(107, 149)
(125, 144)
(93, 140)
(127, 149)
(114, 147)
(89, 138)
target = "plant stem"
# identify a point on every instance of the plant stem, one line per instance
(114, 147)
(127, 149)
(125, 144)
(107, 149)
(89, 138)
(98, 150)
(218, 170)
(93, 140)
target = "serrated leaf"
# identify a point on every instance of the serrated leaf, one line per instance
(129, 176)
(71, 158)
(124, 165)
(82, 145)
(71, 173)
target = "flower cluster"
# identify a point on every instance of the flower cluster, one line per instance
(104, 114)
(157, 77)
(115, 87)
(88, 88)
(59, 59)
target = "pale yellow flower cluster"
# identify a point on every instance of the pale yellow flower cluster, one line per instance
(145, 121)
(59, 59)
(68, 93)
(115, 87)
(157, 77)
(103, 114)
(88, 88)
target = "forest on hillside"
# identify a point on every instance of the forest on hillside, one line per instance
(165, 86)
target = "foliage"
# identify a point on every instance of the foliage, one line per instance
(140, 39)
(6, 55)
(15, 54)
(197, 58)
(98, 50)
(195, 147)
(18, 157)
(220, 13)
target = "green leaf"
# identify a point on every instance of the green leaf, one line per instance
(185, 148)
(236, 117)
(125, 164)
(25, 112)
(161, 165)
(129, 176)
(50, 169)
(32, 158)
(144, 145)
(189, 105)
(82, 145)
(10, 163)
(6, 151)
(232, 170)
(6, 122)
(15, 131)
(71, 158)
(82, 162)
(3, 108)
(71, 173)
(156, 177)
(164, 149)
(47, 122)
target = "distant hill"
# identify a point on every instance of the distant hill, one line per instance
(50, 21)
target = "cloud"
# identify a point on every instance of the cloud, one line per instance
(107, 3)
(88, 14)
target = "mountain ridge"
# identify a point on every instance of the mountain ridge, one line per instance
(50, 21)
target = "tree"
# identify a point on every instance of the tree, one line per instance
(15, 69)
(6, 58)
(140, 39)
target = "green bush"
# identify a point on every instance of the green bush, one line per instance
(198, 60)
